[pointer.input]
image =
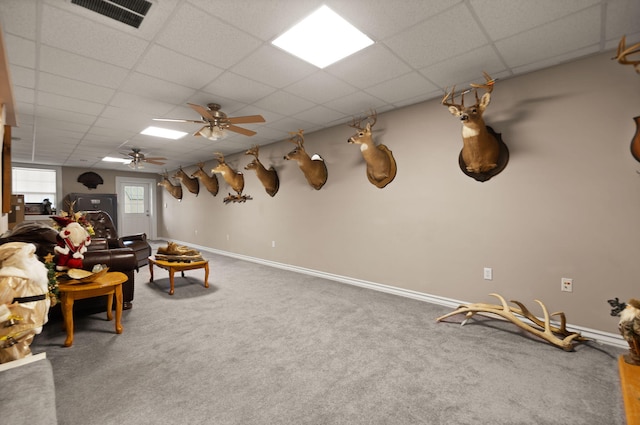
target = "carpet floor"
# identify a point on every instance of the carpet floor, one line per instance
(263, 345)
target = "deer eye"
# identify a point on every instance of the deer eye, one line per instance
(361, 133)
(474, 110)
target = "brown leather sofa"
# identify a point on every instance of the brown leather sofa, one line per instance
(98, 252)
(104, 228)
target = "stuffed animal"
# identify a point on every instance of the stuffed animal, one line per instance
(73, 240)
(24, 302)
(629, 327)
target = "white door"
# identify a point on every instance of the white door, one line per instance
(135, 206)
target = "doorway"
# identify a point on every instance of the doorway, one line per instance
(136, 209)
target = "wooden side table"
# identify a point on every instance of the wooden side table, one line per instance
(178, 266)
(109, 284)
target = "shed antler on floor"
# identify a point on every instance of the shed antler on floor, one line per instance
(540, 328)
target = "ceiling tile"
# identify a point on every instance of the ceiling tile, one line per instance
(356, 103)
(264, 19)
(55, 101)
(368, 67)
(273, 67)
(23, 18)
(622, 17)
(320, 87)
(500, 19)
(75, 34)
(465, 67)
(431, 41)
(383, 18)
(553, 39)
(21, 51)
(175, 67)
(73, 88)
(144, 85)
(284, 103)
(80, 68)
(409, 85)
(243, 89)
(220, 45)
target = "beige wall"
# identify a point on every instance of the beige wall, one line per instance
(70, 182)
(567, 204)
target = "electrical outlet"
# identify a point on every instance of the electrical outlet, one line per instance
(566, 284)
(488, 273)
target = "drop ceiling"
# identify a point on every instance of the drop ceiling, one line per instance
(86, 85)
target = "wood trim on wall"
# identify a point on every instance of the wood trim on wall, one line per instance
(6, 170)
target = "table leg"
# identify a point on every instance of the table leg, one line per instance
(150, 271)
(206, 275)
(67, 314)
(171, 283)
(119, 328)
(110, 306)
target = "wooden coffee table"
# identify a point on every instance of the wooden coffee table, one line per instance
(109, 284)
(178, 266)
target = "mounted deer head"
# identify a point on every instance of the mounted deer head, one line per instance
(234, 178)
(381, 166)
(481, 149)
(191, 183)
(209, 182)
(174, 190)
(624, 51)
(622, 57)
(268, 178)
(314, 169)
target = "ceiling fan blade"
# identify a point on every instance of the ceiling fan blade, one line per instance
(246, 120)
(240, 130)
(157, 158)
(150, 161)
(204, 112)
(179, 120)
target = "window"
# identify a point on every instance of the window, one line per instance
(133, 199)
(36, 184)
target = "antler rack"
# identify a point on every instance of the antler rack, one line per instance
(540, 328)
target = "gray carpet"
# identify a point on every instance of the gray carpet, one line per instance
(267, 346)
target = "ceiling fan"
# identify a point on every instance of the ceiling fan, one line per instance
(137, 158)
(217, 121)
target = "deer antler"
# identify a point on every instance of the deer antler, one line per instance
(253, 151)
(372, 117)
(511, 314)
(451, 95)
(297, 137)
(624, 51)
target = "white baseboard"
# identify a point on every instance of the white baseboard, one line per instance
(601, 337)
(23, 361)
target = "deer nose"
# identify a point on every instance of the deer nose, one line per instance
(464, 117)
(349, 140)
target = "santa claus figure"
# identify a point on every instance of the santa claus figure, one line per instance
(24, 302)
(629, 326)
(73, 240)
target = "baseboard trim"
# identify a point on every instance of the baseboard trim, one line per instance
(601, 337)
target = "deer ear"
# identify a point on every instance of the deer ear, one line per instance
(454, 110)
(484, 102)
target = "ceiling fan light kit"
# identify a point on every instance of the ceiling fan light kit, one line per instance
(213, 132)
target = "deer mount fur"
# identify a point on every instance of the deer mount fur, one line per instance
(483, 154)
(381, 165)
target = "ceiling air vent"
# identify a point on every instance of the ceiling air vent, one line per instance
(130, 12)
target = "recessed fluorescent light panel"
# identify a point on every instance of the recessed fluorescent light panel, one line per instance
(163, 132)
(322, 38)
(112, 159)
